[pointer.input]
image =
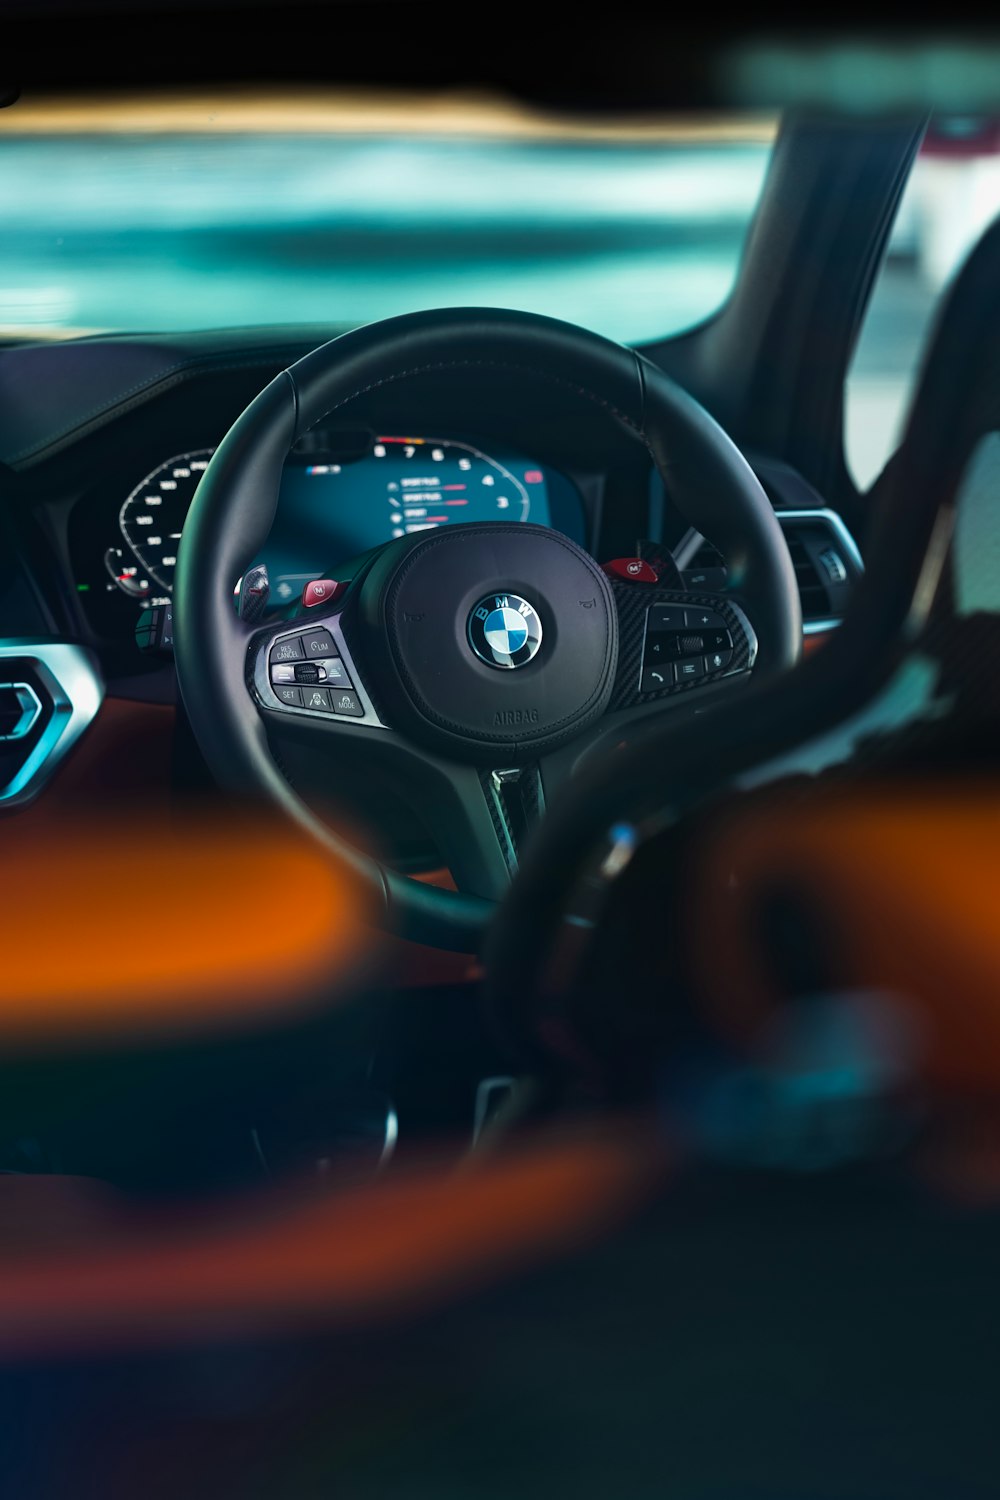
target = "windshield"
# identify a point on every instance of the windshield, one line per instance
(183, 213)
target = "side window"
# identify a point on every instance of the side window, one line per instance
(953, 195)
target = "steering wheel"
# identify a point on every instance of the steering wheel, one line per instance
(476, 662)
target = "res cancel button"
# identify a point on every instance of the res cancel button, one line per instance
(507, 718)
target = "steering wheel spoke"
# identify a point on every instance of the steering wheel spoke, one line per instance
(309, 682)
(306, 668)
(475, 817)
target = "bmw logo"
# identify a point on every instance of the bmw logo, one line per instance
(504, 630)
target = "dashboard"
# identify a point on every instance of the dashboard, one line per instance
(104, 443)
(107, 441)
(343, 492)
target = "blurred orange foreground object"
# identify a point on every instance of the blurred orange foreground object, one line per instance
(144, 925)
(898, 880)
(291, 1262)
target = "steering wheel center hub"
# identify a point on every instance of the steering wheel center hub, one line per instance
(493, 637)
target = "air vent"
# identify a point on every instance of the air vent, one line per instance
(816, 604)
(49, 693)
(824, 556)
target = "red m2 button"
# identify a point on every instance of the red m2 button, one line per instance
(322, 591)
(632, 569)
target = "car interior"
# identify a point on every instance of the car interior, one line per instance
(497, 814)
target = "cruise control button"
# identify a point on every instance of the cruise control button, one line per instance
(655, 679)
(348, 704)
(334, 672)
(317, 698)
(288, 693)
(319, 643)
(290, 649)
(666, 617)
(283, 671)
(688, 671)
(717, 660)
(307, 671)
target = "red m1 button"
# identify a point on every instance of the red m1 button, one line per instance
(322, 591)
(632, 569)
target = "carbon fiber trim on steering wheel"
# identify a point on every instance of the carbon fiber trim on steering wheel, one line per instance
(633, 600)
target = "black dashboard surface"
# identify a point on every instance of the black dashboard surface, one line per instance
(85, 425)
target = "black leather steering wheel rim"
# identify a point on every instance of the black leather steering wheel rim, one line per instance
(235, 504)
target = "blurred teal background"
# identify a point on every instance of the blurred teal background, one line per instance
(118, 231)
(122, 228)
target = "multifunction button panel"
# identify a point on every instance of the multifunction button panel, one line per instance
(686, 643)
(310, 671)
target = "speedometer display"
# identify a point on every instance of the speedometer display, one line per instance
(153, 516)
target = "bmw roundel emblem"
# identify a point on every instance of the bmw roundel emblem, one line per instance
(504, 630)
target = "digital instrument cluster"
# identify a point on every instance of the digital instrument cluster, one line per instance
(338, 500)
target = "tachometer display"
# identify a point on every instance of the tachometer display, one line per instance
(153, 516)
